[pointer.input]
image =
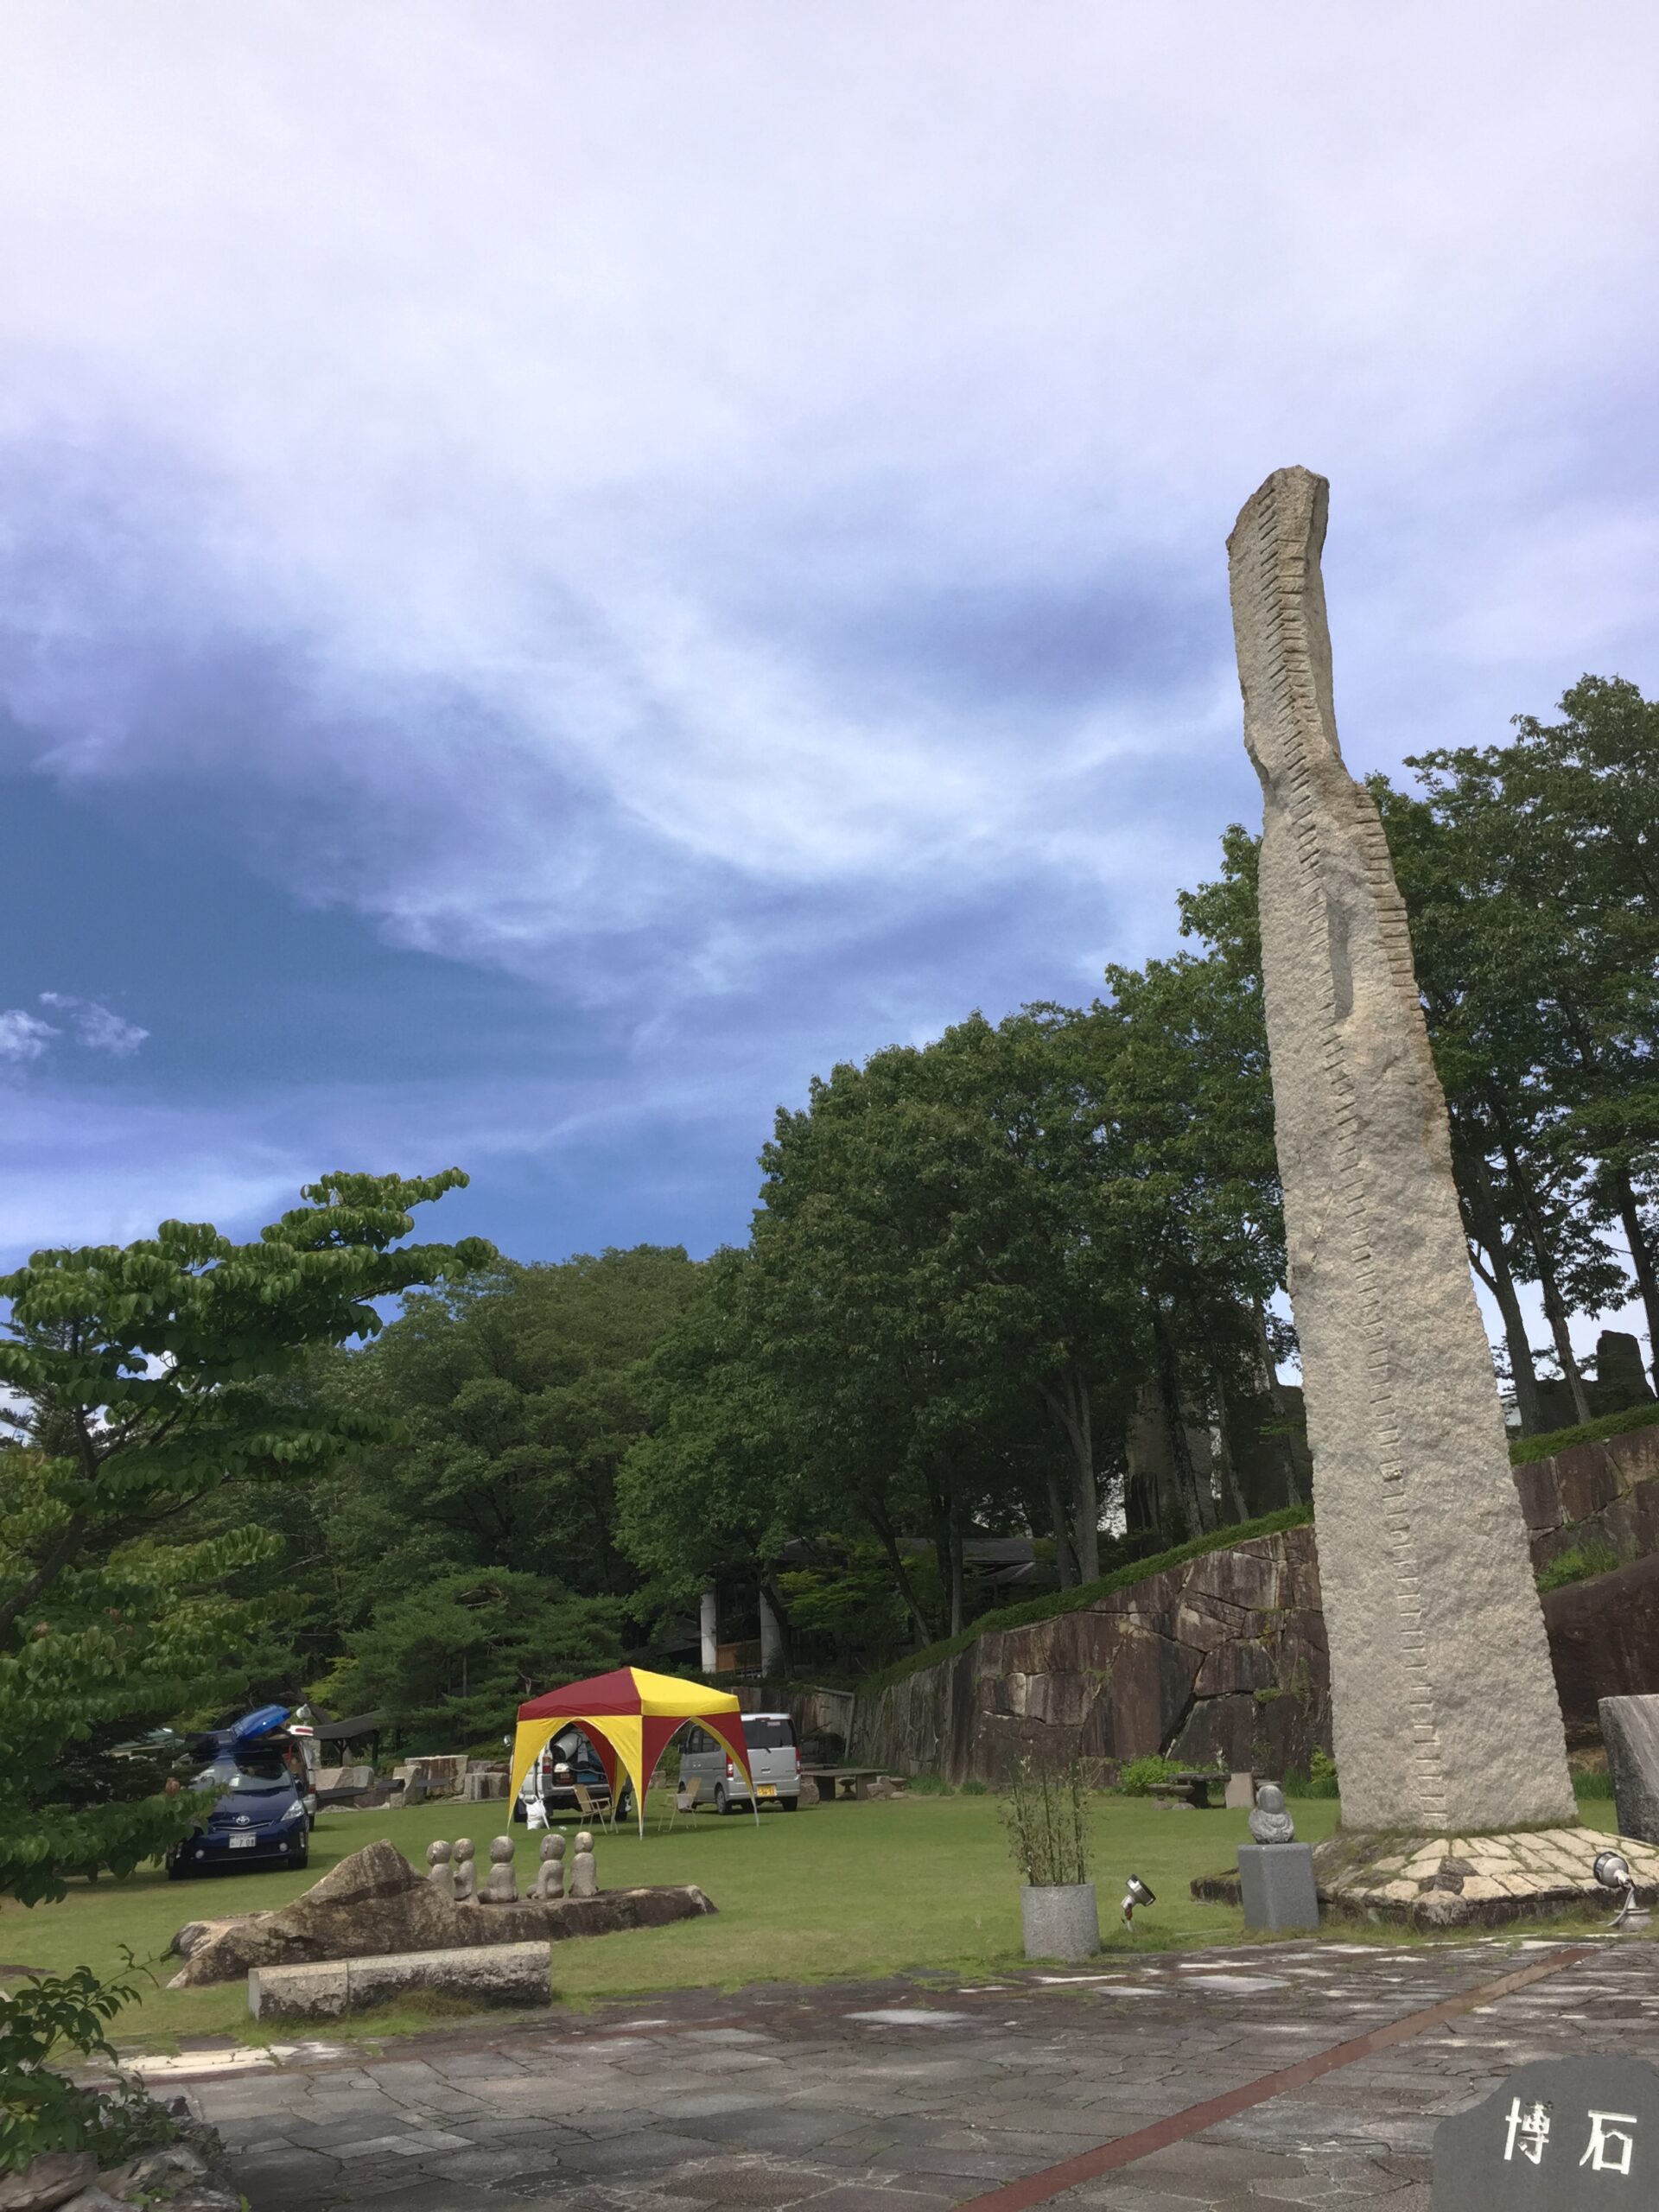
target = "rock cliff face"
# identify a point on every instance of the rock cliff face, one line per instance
(1604, 1493)
(1227, 1654)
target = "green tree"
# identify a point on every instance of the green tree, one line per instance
(515, 1397)
(150, 1375)
(718, 1484)
(888, 1297)
(1555, 836)
(451, 1659)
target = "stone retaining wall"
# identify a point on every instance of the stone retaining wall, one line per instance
(1605, 1493)
(1223, 1654)
(1227, 1653)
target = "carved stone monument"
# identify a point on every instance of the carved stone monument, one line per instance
(466, 1873)
(549, 1884)
(1270, 1822)
(584, 1876)
(440, 1872)
(499, 1888)
(1444, 1707)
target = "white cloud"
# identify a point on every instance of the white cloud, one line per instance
(96, 1027)
(23, 1036)
(582, 412)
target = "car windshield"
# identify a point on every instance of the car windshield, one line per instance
(768, 1735)
(245, 1774)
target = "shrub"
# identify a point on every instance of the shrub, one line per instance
(1140, 1776)
(1594, 1784)
(1321, 1774)
(927, 1785)
(1320, 1781)
(1045, 1811)
(974, 1787)
(1579, 1565)
(40, 2110)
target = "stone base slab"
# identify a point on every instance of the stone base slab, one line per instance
(499, 1974)
(1468, 1881)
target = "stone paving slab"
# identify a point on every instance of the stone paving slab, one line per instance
(906, 2097)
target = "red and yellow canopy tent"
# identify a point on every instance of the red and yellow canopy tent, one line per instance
(629, 1716)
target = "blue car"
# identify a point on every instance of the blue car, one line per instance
(258, 1819)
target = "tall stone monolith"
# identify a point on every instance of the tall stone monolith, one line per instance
(1444, 1704)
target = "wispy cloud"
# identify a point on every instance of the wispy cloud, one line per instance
(96, 1027)
(23, 1036)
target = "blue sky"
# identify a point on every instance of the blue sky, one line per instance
(562, 569)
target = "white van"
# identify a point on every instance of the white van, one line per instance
(774, 1761)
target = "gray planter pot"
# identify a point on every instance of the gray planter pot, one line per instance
(1061, 1922)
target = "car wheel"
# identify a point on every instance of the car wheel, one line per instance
(721, 1803)
(301, 1862)
(519, 1813)
(789, 1804)
(176, 1869)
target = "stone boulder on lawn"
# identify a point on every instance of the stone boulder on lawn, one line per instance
(374, 1903)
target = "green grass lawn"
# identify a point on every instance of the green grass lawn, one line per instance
(831, 1892)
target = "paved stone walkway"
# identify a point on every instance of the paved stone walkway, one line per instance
(907, 2098)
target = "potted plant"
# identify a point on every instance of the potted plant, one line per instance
(1045, 1812)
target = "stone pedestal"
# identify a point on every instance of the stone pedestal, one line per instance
(1629, 1729)
(1276, 1887)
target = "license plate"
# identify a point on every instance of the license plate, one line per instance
(243, 1842)
(767, 1790)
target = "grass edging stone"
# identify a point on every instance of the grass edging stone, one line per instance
(1086, 1594)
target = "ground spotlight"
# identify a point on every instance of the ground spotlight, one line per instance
(1136, 1893)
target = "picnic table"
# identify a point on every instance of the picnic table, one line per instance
(1188, 1788)
(842, 1781)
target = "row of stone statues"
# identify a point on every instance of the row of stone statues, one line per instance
(453, 1875)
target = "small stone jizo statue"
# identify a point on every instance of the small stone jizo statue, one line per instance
(548, 1884)
(499, 1888)
(584, 1880)
(1270, 1822)
(440, 1872)
(466, 1872)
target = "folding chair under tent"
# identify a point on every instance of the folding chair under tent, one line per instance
(629, 1717)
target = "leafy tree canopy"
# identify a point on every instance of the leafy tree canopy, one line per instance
(150, 1375)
